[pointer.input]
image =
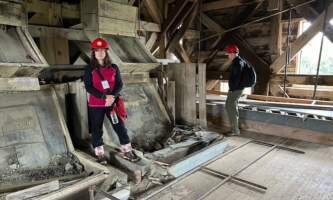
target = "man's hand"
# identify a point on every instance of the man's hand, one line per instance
(109, 100)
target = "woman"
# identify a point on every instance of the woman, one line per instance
(103, 82)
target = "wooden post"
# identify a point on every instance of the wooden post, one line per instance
(172, 99)
(184, 76)
(276, 32)
(79, 107)
(202, 94)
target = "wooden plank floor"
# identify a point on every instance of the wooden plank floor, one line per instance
(287, 175)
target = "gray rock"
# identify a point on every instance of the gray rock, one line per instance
(68, 167)
(14, 166)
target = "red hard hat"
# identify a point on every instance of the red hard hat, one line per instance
(99, 43)
(231, 48)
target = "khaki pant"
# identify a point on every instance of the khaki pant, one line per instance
(232, 109)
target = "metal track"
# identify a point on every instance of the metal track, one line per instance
(226, 177)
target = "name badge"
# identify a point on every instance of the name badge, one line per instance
(105, 84)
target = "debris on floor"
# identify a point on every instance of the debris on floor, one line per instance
(183, 141)
(64, 165)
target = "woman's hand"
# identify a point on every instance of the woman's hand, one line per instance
(109, 100)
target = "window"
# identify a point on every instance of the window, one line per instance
(310, 53)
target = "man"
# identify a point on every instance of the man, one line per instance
(235, 87)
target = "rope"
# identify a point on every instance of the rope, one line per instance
(320, 51)
(257, 20)
(287, 55)
(200, 27)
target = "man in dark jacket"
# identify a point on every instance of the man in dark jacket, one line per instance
(235, 87)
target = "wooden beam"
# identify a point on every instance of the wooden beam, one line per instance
(302, 40)
(310, 14)
(76, 188)
(78, 34)
(275, 43)
(48, 13)
(187, 22)
(70, 34)
(191, 34)
(34, 191)
(223, 4)
(62, 50)
(43, 7)
(131, 2)
(181, 18)
(211, 84)
(150, 43)
(54, 48)
(12, 13)
(286, 131)
(153, 10)
(211, 24)
(218, 44)
(308, 93)
(19, 84)
(302, 79)
(148, 26)
(278, 99)
(174, 14)
(114, 10)
(183, 53)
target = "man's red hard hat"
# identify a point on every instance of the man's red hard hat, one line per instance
(231, 48)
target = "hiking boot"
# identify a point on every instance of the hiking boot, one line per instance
(232, 134)
(130, 155)
(99, 151)
(102, 160)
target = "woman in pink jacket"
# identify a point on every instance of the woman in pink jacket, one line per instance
(103, 83)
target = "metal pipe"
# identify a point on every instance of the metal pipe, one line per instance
(192, 171)
(287, 55)
(236, 173)
(278, 146)
(320, 51)
(257, 20)
(223, 175)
